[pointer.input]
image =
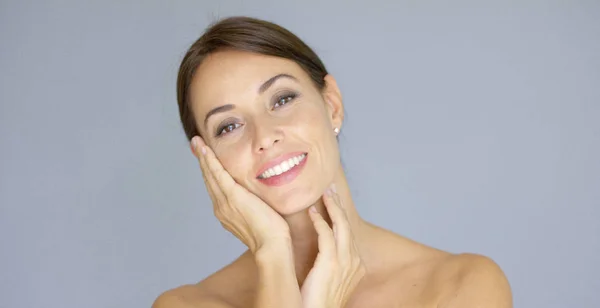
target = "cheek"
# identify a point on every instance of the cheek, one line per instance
(235, 159)
(313, 126)
(318, 127)
(310, 120)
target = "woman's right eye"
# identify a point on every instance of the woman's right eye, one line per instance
(225, 129)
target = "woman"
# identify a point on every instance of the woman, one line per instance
(263, 116)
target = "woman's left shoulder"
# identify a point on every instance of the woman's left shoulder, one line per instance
(472, 280)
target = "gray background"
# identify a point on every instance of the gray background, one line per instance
(469, 128)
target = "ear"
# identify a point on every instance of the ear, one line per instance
(333, 98)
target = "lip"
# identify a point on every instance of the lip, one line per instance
(276, 161)
(288, 176)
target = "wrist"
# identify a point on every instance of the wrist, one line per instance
(274, 249)
(277, 285)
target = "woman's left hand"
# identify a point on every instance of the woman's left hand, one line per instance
(338, 267)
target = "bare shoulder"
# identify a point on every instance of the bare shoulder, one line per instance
(229, 287)
(188, 296)
(471, 280)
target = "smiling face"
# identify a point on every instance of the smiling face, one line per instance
(269, 125)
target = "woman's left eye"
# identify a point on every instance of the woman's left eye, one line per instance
(282, 100)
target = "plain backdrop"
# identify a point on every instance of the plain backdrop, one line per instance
(470, 128)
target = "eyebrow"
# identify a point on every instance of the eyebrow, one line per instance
(264, 87)
(219, 109)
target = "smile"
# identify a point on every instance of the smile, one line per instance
(283, 167)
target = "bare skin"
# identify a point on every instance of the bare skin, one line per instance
(398, 272)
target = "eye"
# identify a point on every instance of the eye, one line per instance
(227, 128)
(284, 99)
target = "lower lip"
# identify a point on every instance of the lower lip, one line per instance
(285, 177)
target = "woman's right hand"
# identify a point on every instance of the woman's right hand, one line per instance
(241, 212)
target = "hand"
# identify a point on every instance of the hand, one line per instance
(240, 212)
(338, 268)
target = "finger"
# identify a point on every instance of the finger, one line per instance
(221, 209)
(340, 204)
(221, 176)
(349, 244)
(197, 143)
(343, 237)
(211, 184)
(326, 242)
(209, 188)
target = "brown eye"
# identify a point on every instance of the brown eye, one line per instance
(282, 100)
(228, 128)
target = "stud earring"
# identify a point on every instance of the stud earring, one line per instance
(336, 130)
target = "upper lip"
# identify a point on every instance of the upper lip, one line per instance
(277, 160)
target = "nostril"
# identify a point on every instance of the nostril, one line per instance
(267, 144)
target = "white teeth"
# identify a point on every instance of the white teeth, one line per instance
(283, 167)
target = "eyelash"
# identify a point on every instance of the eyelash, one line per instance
(226, 126)
(285, 98)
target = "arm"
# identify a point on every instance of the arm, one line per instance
(258, 226)
(277, 284)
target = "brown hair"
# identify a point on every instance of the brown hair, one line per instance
(243, 34)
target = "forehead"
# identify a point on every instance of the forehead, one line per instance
(228, 76)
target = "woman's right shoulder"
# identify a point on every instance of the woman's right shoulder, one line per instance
(222, 289)
(188, 296)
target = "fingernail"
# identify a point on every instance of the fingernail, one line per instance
(333, 188)
(195, 144)
(312, 208)
(328, 192)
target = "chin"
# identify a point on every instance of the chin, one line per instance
(294, 202)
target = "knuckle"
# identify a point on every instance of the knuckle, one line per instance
(329, 258)
(353, 262)
(214, 170)
(220, 211)
(343, 213)
(218, 170)
(224, 225)
(219, 215)
(360, 267)
(361, 272)
(321, 223)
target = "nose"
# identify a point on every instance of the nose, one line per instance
(266, 136)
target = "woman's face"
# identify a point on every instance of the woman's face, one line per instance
(263, 115)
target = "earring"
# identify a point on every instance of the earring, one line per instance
(336, 130)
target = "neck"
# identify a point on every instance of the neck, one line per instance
(304, 236)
